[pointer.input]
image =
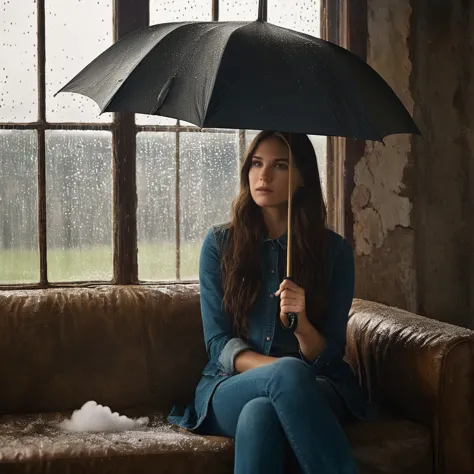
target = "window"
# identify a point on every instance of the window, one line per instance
(55, 152)
(113, 198)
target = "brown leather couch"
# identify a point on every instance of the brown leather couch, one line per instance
(139, 349)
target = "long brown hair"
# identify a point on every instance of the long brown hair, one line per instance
(241, 266)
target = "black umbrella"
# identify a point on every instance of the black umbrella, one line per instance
(244, 75)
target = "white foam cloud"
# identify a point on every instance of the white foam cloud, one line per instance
(94, 417)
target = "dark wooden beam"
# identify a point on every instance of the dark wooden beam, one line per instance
(344, 22)
(215, 10)
(129, 15)
(356, 31)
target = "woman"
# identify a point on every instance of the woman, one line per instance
(268, 388)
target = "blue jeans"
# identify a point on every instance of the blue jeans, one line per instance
(278, 412)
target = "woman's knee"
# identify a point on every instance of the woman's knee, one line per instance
(292, 371)
(258, 414)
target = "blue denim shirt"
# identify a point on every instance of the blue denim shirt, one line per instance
(223, 346)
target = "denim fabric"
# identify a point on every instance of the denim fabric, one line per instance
(273, 408)
(284, 343)
(222, 346)
(233, 347)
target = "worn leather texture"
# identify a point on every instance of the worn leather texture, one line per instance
(421, 370)
(139, 350)
(33, 444)
(121, 346)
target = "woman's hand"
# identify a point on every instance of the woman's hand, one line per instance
(292, 300)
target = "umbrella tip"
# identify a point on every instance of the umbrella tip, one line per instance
(262, 10)
(60, 90)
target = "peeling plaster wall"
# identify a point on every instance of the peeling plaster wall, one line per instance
(382, 199)
(413, 199)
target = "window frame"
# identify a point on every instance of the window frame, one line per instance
(344, 22)
(129, 15)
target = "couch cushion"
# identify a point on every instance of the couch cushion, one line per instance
(390, 445)
(31, 444)
(123, 346)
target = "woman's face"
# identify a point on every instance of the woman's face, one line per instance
(268, 173)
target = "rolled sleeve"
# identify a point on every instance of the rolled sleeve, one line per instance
(221, 343)
(341, 294)
(227, 357)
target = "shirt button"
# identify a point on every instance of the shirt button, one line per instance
(267, 338)
(271, 295)
(273, 271)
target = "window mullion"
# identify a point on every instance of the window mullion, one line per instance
(178, 207)
(332, 20)
(344, 23)
(41, 61)
(41, 69)
(129, 15)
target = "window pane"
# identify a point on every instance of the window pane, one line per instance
(165, 11)
(235, 10)
(156, 214)
(19, 256)
(299, 15)
(18, 87)
(79, 205)
(77, 31)
(249, 136)
(209, 182)
(142, 119)
(320, 147)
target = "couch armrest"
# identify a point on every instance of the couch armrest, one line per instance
(422, 370)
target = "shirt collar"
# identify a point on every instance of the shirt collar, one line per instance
(282, 240)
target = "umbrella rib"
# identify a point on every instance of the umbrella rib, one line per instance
(178, 26)
(218, 68)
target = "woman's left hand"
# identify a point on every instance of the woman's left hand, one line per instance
(292, 300)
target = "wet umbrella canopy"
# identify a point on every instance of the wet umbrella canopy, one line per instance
(244, 75)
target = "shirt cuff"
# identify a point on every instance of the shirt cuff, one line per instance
(322, 361)
(227, 357)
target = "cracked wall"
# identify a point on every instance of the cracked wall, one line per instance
(382, 200)
(413, 199)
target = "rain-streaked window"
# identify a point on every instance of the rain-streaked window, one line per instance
(79, 205)
(19, 256)
(202, 166)
(56, 152)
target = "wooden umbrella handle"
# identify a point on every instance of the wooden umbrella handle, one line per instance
(292, 317)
